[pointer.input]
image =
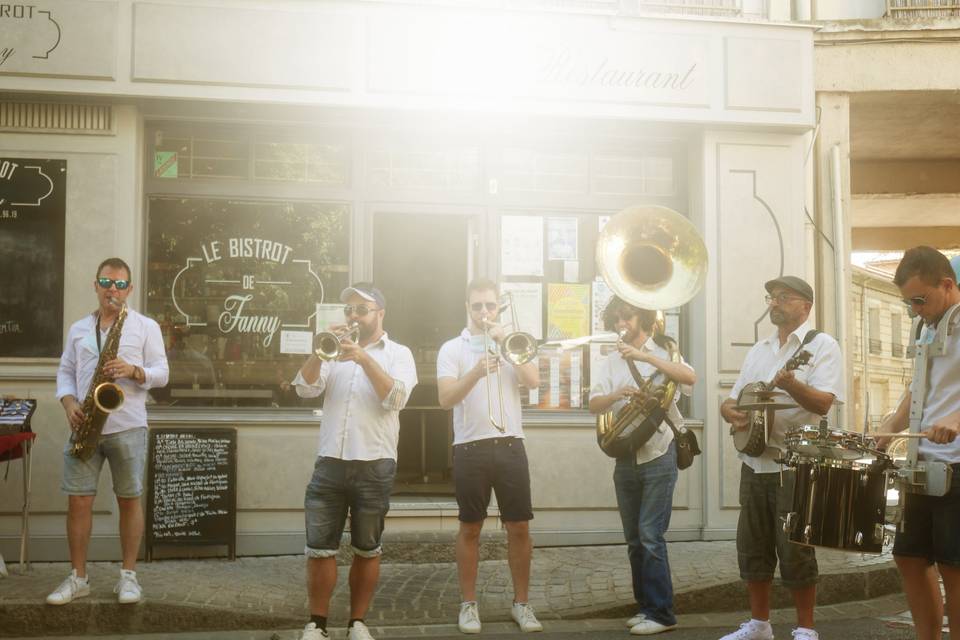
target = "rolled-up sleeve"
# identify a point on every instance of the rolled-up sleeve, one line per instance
(307, 390)
(403, 370)
(67, 371)
(156, 369)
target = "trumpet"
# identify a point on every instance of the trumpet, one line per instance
(328, 343)
(517, 348)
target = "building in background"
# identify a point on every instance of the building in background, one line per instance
(249, 159)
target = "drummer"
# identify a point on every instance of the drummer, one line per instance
(931, 535)
(814, 387)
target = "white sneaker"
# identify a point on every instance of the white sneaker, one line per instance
(313, 632)
(3, 568)
(635, 620)
(650, 627)
(752, 630)
(803, 633)
(128, 589)
(359, 631)
(469, 620)
(523, 615)
(72, 587)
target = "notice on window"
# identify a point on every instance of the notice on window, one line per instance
(300, 342)
(568, 311)
(328, 315)
(526, 311)
(521, 245)
(562, 238)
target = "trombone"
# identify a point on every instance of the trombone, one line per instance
(517, 348)
(328, 345)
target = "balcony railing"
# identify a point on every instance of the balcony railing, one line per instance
(922, 8)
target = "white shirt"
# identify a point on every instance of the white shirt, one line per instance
(141, 344)
(471, 416)
(824, 372)
(943, 394)
(614, 373)
(356, 424)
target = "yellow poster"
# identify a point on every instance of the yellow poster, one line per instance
(568, 311)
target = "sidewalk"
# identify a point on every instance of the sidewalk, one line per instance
(269, 592)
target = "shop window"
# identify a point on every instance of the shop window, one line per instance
(544, 171)
(325, 164)
(424, 168)
(235, 287)
(632, 175)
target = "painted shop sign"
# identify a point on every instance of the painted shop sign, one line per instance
(58, 38)
(32, 214)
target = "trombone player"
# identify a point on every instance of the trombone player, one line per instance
(366, 383)
(488, 452)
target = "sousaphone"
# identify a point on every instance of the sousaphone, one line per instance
(653, 258)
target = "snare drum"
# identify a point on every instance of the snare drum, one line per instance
(839, 504)
(835, 444)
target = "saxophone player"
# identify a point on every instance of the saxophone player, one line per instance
(139, 364)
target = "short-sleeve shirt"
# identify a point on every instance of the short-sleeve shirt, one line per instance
(471, 416)
(614, 373)
(943, 393)
(824, 372)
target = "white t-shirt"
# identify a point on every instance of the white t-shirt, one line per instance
(943, 393)
(824, 372)
(614, 373)
(471, 416)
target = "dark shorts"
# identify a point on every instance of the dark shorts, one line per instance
(764, 505)
(495, 463)
(360, 487)
(931, 526)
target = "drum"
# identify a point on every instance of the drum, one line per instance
(809, 441)
(839, 504)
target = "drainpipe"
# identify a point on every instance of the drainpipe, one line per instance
(864, 354)
(839, 248)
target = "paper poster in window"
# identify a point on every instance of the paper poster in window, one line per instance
(601, 298)
(521, 245)
(561, 377)
(527, 311)
(568, 311)
(562, 238)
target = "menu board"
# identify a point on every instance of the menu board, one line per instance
(32, 213)
(192, 488)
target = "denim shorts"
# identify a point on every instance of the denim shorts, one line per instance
(499, 464)
(931, 526)
(761, 540)
(126, 452)
(360, 488)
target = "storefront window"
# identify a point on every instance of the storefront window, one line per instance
(234, 285)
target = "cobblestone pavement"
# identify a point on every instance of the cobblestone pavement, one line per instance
(568, 582)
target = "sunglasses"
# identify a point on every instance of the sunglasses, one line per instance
(478, 306)
(106, 283)
(360, 309)
(918, 301)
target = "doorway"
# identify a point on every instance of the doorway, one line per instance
(421, 262)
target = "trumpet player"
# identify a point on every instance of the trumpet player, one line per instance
(488, 453)
(366, 384)
(140, 363)
(644, 479)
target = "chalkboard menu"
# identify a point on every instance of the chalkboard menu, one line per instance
(192, 488)
(32, 214)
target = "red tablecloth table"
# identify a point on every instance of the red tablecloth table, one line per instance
(13, 446)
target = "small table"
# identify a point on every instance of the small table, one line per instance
(13, 446)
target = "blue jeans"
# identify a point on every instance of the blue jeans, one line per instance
(645, 500)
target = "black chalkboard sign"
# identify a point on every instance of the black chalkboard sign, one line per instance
(32, 213)
(192, 488)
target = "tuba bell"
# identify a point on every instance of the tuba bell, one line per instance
(652, 258)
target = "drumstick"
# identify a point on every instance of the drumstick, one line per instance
(907, 435)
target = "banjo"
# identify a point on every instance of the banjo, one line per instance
(757, 399)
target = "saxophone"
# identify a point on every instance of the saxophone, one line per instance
(649, 401)
(103, 398)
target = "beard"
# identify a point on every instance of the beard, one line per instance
(777, 317)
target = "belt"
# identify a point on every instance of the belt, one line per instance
(489, 442)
